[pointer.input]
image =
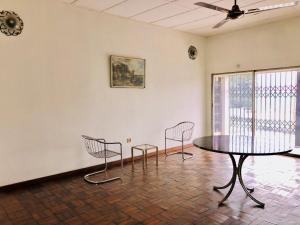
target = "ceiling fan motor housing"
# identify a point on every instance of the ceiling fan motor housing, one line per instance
(235, 12)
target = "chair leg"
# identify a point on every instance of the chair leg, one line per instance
(156, 156)
(185, 153)
(87, 179)
(182, 153)
(132, 157)
(166, 147)
(143, 160)
(146, 157)
(122, 164)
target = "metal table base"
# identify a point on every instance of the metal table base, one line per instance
(237, 172)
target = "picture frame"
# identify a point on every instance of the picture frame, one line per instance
(127, 72)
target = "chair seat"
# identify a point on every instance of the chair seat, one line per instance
(101, 154)
(177, 139)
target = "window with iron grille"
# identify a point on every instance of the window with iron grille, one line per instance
(260, 103)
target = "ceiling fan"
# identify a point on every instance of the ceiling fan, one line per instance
(236, 12)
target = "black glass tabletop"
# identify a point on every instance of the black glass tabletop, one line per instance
(244, 145)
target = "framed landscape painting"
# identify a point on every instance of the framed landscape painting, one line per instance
(127, 72)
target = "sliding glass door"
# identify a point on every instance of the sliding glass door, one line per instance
(263, 103)
(232, 104)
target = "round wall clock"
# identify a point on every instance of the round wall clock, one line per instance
(193, 52)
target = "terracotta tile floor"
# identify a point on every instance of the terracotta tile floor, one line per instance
(175, 193)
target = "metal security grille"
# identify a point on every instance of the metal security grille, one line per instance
(257, 102)
(240, 104)
(275, 104)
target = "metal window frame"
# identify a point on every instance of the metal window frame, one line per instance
(254, 72)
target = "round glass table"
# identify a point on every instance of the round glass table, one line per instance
(243, 146)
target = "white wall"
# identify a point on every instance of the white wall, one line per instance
(267, 46)
(54, 86)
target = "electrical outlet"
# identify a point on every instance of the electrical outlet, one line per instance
(128, 140)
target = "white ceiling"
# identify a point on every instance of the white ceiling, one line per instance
(185, 16)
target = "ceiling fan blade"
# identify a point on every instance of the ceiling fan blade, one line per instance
(272, 7)
(214, 7)
(221, 23)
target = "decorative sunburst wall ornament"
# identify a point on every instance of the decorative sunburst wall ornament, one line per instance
(10, 23)
(193, 52)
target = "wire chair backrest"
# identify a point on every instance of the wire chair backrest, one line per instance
(94, 145)
(183, 130)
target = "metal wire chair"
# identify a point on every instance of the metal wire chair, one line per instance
(97, 147)
(181, 132)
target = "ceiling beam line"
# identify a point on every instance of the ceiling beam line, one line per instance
(156, 7)
(182, 13)
(117, 4)
(178, 14)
